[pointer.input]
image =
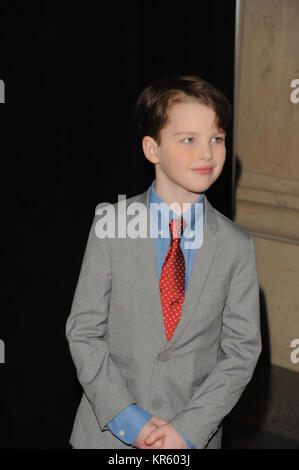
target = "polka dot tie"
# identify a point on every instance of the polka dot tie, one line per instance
(172, 280)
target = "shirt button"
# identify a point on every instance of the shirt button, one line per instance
(160, 232)
(122, 432)
(163, 357)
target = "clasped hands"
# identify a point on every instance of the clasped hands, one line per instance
(159, 434)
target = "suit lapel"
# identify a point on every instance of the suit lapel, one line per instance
(148, 267)
(201, 267)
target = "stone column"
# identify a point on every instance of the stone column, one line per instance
(266, 150)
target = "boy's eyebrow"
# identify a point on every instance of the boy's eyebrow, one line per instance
(188, 132)
(185, 132)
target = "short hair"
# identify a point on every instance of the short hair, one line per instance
(155, 100)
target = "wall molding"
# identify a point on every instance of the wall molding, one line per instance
(269, 183)
(272, 237)
(268, 207)
(268, 220)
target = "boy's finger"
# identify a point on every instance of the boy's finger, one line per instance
(153, 436)
(159, 420)
(158, 444)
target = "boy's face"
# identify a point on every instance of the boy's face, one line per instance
(189, 141)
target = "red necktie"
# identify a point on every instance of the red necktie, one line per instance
(172, 280)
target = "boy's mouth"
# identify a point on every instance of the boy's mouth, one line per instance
(204, 170)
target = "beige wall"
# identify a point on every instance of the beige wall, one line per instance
(267, 160)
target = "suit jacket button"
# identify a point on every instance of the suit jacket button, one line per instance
(163, 357)
(156, 404)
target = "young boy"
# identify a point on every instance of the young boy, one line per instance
(164, 330)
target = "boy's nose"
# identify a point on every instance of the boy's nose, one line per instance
(205, 153)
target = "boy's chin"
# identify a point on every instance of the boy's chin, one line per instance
(198, 189)
(202, 187)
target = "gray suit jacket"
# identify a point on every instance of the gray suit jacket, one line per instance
(117, 338)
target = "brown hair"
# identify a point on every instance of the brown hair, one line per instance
(156, 99)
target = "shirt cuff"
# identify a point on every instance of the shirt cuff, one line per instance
(189, 444)
(128, 423)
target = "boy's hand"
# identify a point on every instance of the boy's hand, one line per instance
(165, 437)
(150, 426)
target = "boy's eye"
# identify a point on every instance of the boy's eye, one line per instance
(218, 139)
(188, 140)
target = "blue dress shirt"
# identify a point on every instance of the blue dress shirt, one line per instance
(129, 422)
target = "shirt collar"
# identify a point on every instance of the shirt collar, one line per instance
(190, 215)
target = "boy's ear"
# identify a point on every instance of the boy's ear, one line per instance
(150, 149)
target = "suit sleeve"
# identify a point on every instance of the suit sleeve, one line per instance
(86, 325)
(239, 349)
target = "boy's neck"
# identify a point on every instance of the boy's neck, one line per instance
(176, 194)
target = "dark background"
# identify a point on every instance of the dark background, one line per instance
(69, 141)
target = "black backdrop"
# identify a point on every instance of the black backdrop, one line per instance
(69, 141)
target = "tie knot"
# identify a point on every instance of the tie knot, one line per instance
(177, 226)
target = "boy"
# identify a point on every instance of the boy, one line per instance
(165, 335)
